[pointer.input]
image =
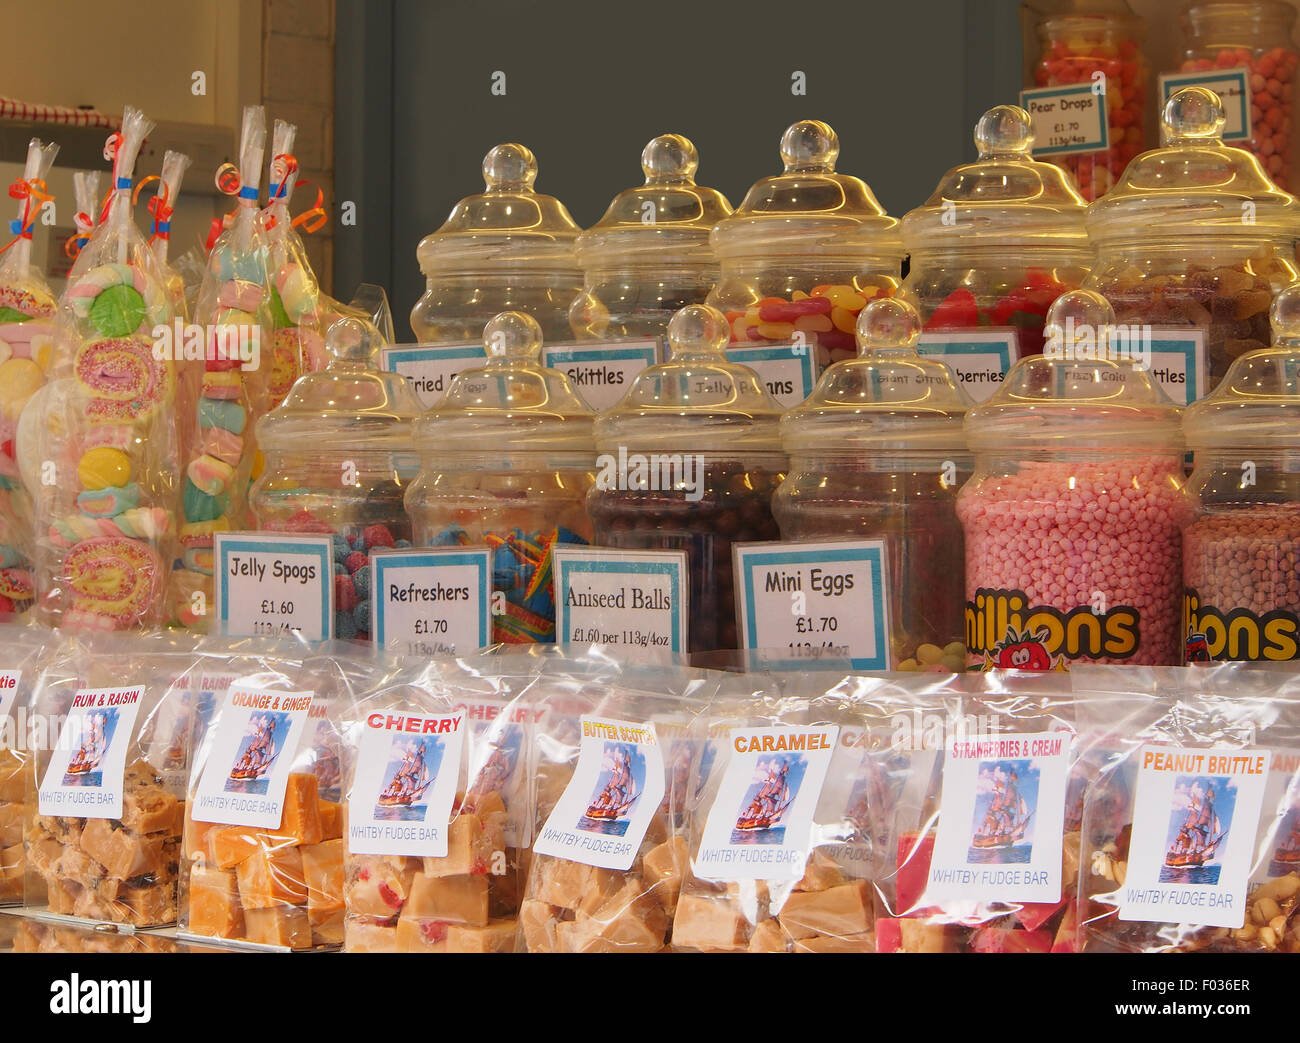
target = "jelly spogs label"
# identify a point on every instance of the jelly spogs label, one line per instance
(249, 756)
(1067, 119)
(980, 359)
(761, 822)
(1231, 85)
(788, 371)
(1001, 819)
(9, 681)
(407, 769)
(1281, 851)
(432, 367)
(274, 585)
(617, 788)
(602, 370)
(1006, 633)
(86, 773)
(1195, 818)
(1237, 634)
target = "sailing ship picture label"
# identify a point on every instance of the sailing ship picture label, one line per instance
(86, 774)
(617, 787)
(250, 756)
(1195, 817)
(1001, 819)
(759, 826)
(407, 768)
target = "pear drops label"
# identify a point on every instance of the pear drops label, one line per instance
(602, 371)
(435, 602)
(432, 367)
(633, 599)
(269, 585)
(1067, 119)
(798, 603)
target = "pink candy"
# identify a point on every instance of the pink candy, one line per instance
(1080, 561)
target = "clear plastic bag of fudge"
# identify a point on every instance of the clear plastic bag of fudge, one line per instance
(778, 844)
(982, 821)
(103, 830)
(226, 382)
(23, 651)
(1189, 828)
(606, 861)
(107, 468)
(263, 866)
(436, 763)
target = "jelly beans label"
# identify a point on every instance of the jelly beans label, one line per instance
(616, 789)
(1067, 119)
(86, 773)
(788, 371)
(1231, 87)
(1178, 363)
(432, 602)
(602, 371)
(431, 368)
(1235, 633)
(633, 599)
(811, 601)
(980, 359)
(270, 585)
(1001, 819)
(760, 825)
(248, 756)
(1195, 818)
(407, 768)
(9, 681)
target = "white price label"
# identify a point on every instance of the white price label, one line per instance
(980, 359)
(788, 371)
(432, 367)
(434, 602)
(1178, 363)
(634, 599)
(602, 371)
(1067, 119)
(270, 584)
(1232, 87)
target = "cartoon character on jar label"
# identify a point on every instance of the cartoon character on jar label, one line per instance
(1024, 651)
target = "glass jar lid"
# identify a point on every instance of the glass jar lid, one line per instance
(889, 397)
(1004, 198)
(697, 401)
(1257, 403)
(808, 208)
(667, 220)
(1193, 186)
(350, 406)
(507, 223)
(510, 404)
(1092, 388)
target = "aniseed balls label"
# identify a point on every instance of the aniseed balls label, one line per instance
(633, 599)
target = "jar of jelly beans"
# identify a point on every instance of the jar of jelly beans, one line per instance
(805, 251)
(649, 256)
(877, 453)
(339, 455)
(507, 458)
(688, 460)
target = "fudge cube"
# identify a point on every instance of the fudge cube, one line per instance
(61, 896)
(150, 906)
(378, 886)
(331, 820)
(627, 921)
(11, 874)
(661, 868)
(830, 943)
(152, 810)
(44, 854)
(301, 816)
(123, 854)
(194, 838)
(322, 866)
(537, 920)
(564, 883)
(270, 878)
(453, 899)
(416, 934)
(214, 903)
(13, 780)
(768, 937)
(496, 936)
(280, 925)
(364, 934)
(228, 846)
(12, 819)
(838, 911)
(821, 873)
(709, 922)
(472, 843)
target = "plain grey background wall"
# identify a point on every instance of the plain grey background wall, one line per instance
(589, 82)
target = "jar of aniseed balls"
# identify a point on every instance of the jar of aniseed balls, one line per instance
(1073, 517)
(1196, 239)
(650, 254)
(507, 460)
(877, 453)
(688, 460)
(339, 455)
(1241, 550)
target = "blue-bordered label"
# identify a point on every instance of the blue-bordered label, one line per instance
(1178, 363)
(1067, 119)
(602, 371)
(270, 585)
(633, 599)
(788, 371)
(431, 367)
(435, 602)
(980, 359)
(1231, 85)
(801, 603)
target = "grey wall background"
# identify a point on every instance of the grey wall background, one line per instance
(589, 82)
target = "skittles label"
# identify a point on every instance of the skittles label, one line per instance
(1216, 634)
(1005, 632)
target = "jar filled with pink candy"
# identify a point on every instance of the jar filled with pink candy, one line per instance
(1073, 516)
(1253, 38)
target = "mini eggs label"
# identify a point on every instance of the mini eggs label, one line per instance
(800, 603)
(86, 773)
(1231, 87)
(979, 359)
(435, 602)
(431, 368)
(270, 585)
(602, 371)
(1067, 119)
